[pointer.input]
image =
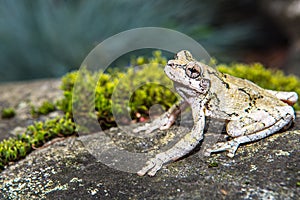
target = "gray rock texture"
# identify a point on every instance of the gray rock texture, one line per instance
(71, 169)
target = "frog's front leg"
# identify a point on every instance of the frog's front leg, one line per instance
(166, 120)
(255, 126)
(181, 148)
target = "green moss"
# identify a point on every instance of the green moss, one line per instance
(11, 150)
(213, 164)
(268, 79)
(44, 109)
(141, 99)
(8, 113)
(36, 135)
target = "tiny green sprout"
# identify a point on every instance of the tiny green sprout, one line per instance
(298, 184)
(213, 164)
(8, 113)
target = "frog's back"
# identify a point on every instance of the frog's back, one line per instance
(234, 97)
(255, 94)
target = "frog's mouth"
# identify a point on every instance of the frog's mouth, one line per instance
(185, 91)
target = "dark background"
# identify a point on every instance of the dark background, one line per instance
(47, 38)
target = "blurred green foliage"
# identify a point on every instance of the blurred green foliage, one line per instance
(47, 38)
(8, 113)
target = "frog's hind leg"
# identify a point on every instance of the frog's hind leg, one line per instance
(254, 131)
(287, 97)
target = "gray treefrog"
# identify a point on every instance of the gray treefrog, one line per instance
(251, 112)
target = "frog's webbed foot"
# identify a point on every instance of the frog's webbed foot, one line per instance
(229, 146)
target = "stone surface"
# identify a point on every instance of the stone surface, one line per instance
(66, 170)
(21, 96)
(70, 169)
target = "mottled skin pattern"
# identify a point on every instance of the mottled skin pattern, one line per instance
(252, 112)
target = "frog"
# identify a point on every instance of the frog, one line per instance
(251, 113)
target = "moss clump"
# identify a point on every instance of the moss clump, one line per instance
(265, 78)
(11, 150)
(44, 109)
(8, 113)
(128, 83)
(36, 135)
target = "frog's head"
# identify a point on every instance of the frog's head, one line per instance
(186, 71)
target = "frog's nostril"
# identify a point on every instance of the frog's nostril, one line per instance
(171, 65)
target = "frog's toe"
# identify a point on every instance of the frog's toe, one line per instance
(230, 146)
(207, 152)
(152, 166)
(144, 170)
(155, 169)
(230, 154)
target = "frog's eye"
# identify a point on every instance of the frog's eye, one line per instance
(193, 70)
